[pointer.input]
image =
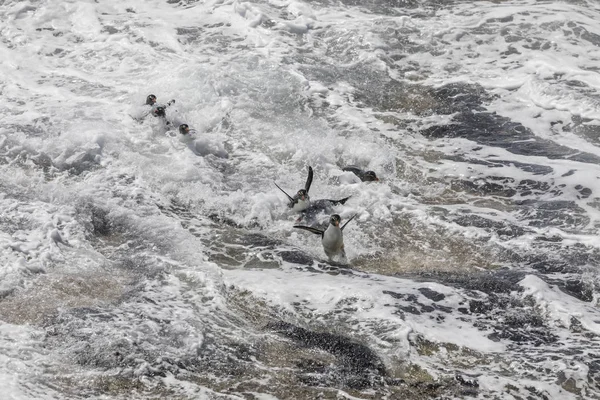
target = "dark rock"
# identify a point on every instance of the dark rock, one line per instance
(432, 294)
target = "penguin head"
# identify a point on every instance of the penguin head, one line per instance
(184, 129)
(302, 194)
(335, 220)
(370, 176)
(159, 111)
(151, 99)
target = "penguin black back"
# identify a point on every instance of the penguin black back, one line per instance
(365, 176)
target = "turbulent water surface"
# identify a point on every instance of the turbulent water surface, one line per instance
(136, 266)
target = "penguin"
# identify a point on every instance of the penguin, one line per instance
(184, 129)
(151, 106)
(159, 111)
(332, 238)
(200, 146)
(150, 100)
(365, 176)
(301, 199)
(169, 117)
(301, 202)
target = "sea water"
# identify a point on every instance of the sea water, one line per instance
(131, 267)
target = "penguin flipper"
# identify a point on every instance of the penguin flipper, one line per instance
(354, 169)
(288, 196)
(341, 201)
(351, 218)
(309, 179)
(310, 229)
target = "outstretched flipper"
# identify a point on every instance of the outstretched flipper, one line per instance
(288, 196)
(309, 179)
(311, 229)
(300, 201)
(351, 218)
(337, 202)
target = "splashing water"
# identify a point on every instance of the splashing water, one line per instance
(134, 267)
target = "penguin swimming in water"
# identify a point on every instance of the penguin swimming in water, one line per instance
(150, 100)
(139, 113)
(332, 238)
(200, 146)
(184, 129)
(365, 176)
(301, 201)
(160, 110)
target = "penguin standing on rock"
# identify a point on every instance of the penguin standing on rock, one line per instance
(301, 202)
(332, 238)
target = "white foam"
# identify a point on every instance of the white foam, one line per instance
(559, 308)
(71, 73)
(322, 295)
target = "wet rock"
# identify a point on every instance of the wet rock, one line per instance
(578, 289)
(559, 213)
(484, 188)
(479, 307)
(385, 94)
(359, 364)
(594, 370)
(410, 309)
(258, 240)
(296, 257)
(583, 191)
(493, 130)
(100, 222)
(223, 220)
(500, 228)
(489, 282)
(407, 297)
(445, 309)
(522, 336)
(95, 218)
(5, 292)
(432, 294)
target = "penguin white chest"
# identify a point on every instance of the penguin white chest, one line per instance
(301, 205)
(333, 240)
